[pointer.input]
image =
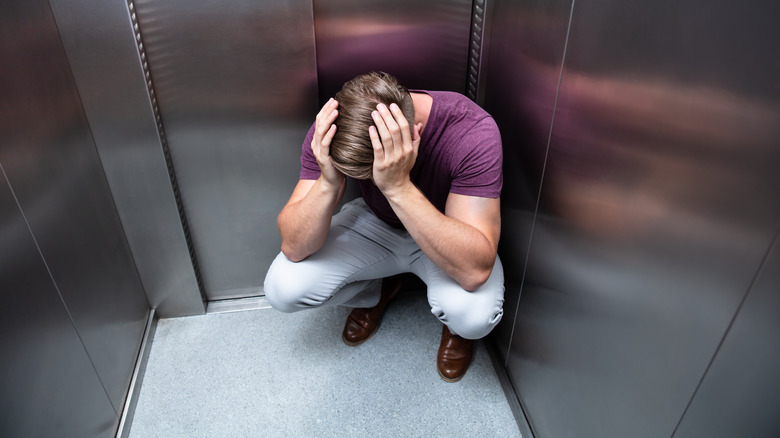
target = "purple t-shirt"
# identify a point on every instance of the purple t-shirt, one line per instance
(460, 152)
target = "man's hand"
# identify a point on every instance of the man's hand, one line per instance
(395, 148)
(305, 219)
(324, 131)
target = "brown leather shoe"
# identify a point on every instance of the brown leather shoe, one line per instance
(362, 323)
(454, 356)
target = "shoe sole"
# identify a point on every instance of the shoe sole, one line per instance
(447, 379)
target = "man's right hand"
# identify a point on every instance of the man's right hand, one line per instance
(324, 131)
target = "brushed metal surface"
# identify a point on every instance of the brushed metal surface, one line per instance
(101, 50)
(658, 202)
(48, 387)
(740, 393)
(50, 160)
(236, 86)
(424, 44)
(521, 81)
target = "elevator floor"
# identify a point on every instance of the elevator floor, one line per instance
(263, 373)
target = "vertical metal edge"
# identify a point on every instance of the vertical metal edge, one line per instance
(475, 49)
(509, 389)
(171, 291)
(487, 32)
(164, 142)
(128, 410)
(316, 54)
(541, 182)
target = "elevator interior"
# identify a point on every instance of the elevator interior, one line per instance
(147, 146)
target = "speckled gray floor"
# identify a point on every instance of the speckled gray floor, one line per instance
(262, 373)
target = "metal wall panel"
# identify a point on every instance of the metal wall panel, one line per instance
(50, 160)
(658, 201)
(523, 72)
(101, 48)
(49, 387)
(740, 393)
(424, 44)
(236, 86)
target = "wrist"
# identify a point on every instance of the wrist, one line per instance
(398, 191)
(329, 187)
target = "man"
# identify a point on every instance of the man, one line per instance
(429, 167)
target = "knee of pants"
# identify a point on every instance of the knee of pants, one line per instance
(288, 289)
(472, 317)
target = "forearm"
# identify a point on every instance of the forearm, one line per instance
(304, 224)
(457, 248)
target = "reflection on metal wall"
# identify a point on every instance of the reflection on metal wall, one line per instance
(103, 56)
(521, 85)
(424, 44)
(659, 199)
(236, 86)
(74, 309)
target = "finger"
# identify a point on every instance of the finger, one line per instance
(325, 142)
(392, 125)
(326, 117)
(329, 106)
(376, 143)
(321, 148)
(403, 124)
(384, 133)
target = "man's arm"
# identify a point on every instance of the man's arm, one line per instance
(463, 241)
(305, 219)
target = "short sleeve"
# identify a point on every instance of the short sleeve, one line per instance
(478, 164)
(309, 167)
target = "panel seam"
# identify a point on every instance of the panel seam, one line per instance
(760, 269)
(541, 181)
(57, 288)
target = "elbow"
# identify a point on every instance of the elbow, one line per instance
(298, 251)
(476, 279)
(293, 255)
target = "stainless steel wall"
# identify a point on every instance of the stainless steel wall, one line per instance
(520, 88)
(45, 368)
(103, 55)
(740, 393)
(657, 191)
(236, 86)
(73, 307)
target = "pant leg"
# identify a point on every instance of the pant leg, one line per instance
(471, 315)
(347, 270)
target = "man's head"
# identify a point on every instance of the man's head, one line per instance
(350, 149)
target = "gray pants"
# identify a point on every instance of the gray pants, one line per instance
(360, 250)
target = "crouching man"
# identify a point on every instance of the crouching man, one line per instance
(428, 164)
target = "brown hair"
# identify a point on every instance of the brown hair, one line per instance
(350, 150)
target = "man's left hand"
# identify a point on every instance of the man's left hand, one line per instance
(395, 148)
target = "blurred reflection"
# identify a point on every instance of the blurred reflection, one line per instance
(222, 62)
(424, 44)
(630, 153)
(653, 155)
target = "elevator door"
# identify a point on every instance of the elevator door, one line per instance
(238, 86)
